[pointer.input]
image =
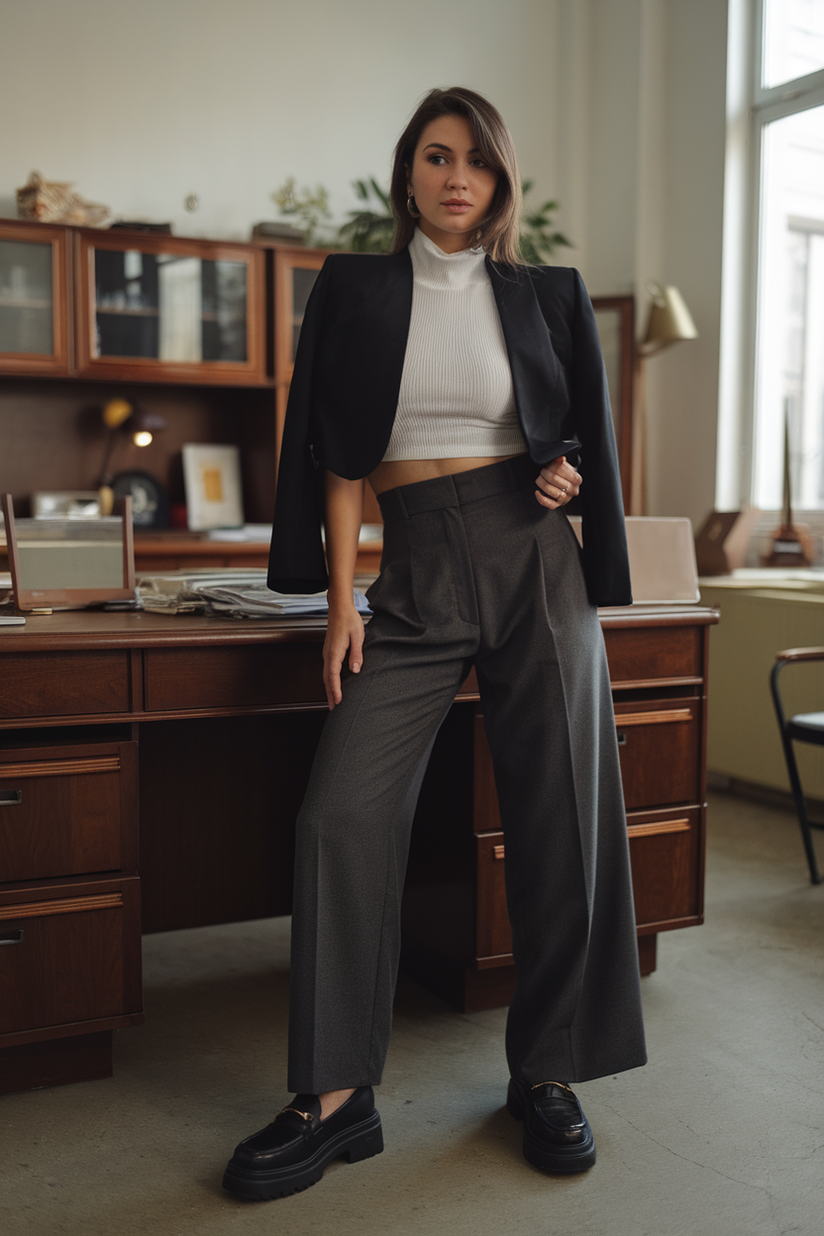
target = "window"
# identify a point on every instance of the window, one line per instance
(788, 119)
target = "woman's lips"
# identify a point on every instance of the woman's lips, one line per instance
(456, 207)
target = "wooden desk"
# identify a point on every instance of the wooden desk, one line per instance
(211, 725)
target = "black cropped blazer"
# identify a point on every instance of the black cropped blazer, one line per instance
(345, 388)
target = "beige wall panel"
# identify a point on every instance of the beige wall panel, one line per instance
(743, 739)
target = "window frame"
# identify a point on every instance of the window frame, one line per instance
(761, 105)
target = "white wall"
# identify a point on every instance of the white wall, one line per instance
(645, 199)
(141, 102)
(617, 108)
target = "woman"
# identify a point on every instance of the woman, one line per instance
(462, 385)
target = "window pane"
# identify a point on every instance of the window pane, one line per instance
(793, 39)
(790, 373)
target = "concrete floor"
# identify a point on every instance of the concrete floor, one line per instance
(720, 1135)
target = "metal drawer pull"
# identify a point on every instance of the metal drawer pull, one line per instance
(12, 937)
(11, 798)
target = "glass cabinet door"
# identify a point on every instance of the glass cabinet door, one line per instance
(296, 270)
(172, 310)
(33, 326)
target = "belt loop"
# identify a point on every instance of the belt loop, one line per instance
(392, 506)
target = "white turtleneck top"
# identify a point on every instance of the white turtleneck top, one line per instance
(456, 397)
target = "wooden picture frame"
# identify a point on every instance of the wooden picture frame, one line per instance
(615, 318)
(32, 594)
(212, 479)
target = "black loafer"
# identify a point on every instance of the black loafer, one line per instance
(291, 1152)
(557, 1136)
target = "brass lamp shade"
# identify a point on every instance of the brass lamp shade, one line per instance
(669, 320)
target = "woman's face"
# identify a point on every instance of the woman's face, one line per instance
(452, 186)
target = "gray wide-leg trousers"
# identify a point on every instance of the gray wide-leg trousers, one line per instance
(474, 571)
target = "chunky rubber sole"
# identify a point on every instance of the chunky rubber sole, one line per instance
(361, 1141)
(557, 1160)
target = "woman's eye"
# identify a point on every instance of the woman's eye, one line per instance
(437, 159)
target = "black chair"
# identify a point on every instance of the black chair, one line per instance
(804, 727)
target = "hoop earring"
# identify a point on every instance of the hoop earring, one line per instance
(412, 207)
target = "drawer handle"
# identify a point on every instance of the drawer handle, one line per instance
(11, 798)
(497, 852)
(65, 905)
(657, 827)
(661, 716)
(12, 937)
(62, 768)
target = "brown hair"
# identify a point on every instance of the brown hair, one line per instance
(499, 233)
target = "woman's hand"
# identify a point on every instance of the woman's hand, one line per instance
(344, 631)
(557, 482)
(344, 635)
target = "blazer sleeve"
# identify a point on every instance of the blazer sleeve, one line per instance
(603, 532)
(296, 558)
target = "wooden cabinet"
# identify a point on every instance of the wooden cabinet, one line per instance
(158, 308)
(131, 307)
(69, 903)
(35, 282)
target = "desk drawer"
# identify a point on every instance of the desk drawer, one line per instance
(665, 853)
(650, 654)
(658, 744)
(66, 813)
(64, 684)
(69, 955)
(665, 849)
(237, 676)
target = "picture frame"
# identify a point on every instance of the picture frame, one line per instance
(214, 496)
(70, 563)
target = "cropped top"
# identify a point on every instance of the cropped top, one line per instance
(456, 397)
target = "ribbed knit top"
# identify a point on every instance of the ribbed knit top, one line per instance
(456, 397)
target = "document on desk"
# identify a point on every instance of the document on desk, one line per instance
(230, 593)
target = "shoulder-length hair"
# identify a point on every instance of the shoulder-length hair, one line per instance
(499, 233)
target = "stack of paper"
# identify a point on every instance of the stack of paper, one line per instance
(232, 593)
(260, 602)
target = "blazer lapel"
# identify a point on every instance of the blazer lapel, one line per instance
(540, 397)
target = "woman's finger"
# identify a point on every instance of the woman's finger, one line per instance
(332, 662)
(356, 650)
(557, 482)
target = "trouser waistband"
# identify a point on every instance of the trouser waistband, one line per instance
(458, 489)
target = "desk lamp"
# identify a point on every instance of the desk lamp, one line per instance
(119, 416)
(669, 320)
